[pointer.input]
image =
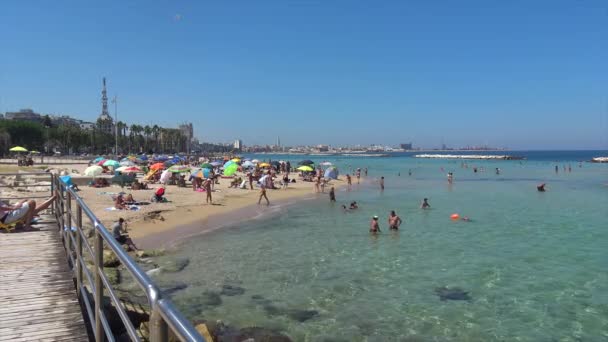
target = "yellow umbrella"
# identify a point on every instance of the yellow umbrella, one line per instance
(236, 160)
(264, 165)
(18, 149)
(305, 168)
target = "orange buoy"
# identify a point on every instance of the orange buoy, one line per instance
(455, 216)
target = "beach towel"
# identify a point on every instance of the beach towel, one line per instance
(130, 207)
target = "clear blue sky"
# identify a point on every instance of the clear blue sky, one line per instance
(522, 74)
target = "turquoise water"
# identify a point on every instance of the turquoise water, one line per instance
(535, 265)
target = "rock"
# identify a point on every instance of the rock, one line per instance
(149, 253)
(211, 298)
(272, 310)
(302, 315)
(175, 288)
(109, 259)
(113, 275)
(455, 293)
(232, 290)
(174, 265)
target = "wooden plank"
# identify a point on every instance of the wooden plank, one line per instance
(38, 301)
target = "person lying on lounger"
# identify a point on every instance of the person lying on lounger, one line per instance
(23, 211)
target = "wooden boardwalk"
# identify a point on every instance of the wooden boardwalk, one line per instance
(38, 299)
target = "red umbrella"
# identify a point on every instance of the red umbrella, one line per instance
(131, 169)
(157, 166)
(101, 162)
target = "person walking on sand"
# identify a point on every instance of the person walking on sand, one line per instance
(425, 204)
(394, 221)
(250, 177)
(263, 194)
(207, 187)
(382, 183)
(349, 181)
(332, 194)
(317, 184)
(358, 175)
(365, 172)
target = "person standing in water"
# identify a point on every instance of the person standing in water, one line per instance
(382, 183)
(556, 169)
(332, 194)
(425, 204)
(349, 181)
(450, 177)
(374, 227)
(394, 221)
(358, 175)
(263, 194)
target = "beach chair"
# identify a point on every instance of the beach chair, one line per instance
(11, 226)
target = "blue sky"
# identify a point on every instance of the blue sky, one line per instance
(520, 74)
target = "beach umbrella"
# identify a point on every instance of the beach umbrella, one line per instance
(264, 165)
(157, 166)
(129, 169)
(305, 168)
(18, 149)
(98, 159)
(255, 161)
(179, 169)
(100, 163)
(228, 163)
(35, 152)
(216, 163)
(306, 162)
(202, 173)
(248, 163)
(112, 163)
(168, 163)
(93, 171)
(143, 157)
(326, 163)
(230, 169)
(236, 160)
(206, 166)
(127, 163)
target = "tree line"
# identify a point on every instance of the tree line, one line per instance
(47, 137)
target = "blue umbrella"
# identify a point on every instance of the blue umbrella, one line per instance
(98, 159)
(216, 163)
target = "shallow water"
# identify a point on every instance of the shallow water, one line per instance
(534, 264)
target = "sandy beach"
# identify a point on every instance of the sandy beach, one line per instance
(157, 225)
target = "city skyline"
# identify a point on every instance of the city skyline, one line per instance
(527, 76)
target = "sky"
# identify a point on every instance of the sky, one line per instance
(515, 74)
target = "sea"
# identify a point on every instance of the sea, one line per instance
(528, 266)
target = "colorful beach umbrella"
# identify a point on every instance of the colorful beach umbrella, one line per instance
(305, 168)
(93, 171)
(264, 165)
(129, 169)
(98, 159)
(236, 160)
(127, 163)
(111, 163)
(326, 163)
(248, 163)
(18, 149)
(306, 162)
(100, 163)
(203, 173)
(157, 166)
(206, 166)
(216, 163)
(179, 169)
(230, 169)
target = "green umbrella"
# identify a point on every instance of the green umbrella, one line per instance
(18, 149)
(179, 169)
(230, 170)
(206, 166)
(112, 163)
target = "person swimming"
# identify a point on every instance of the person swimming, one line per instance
(425, 204)
(541, 187)
(354, 205)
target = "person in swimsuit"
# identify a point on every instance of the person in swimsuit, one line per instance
(332, 194)
(374, 227)
(425, 204)
(23, 211)
(394, 221)
(541, 187)
(450, 177)
(349, 181)
(263, 194)
(382, 183)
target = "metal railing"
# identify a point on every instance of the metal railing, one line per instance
(163, 314)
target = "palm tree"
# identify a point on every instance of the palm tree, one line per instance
(147, 133)
(155, 133)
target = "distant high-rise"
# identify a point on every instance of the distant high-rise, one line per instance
(105, 122)
(238, 144)
(278, 141)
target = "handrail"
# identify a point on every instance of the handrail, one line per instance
(163, 314)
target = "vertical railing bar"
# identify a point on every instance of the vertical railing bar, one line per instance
(99, 332)
(78, 246)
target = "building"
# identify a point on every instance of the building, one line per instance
(87, 126)
(407, 146)
(238, 144)
(105, 122)
(24, 115)
(187, 131)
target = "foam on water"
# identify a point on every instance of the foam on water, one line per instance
(534, 264)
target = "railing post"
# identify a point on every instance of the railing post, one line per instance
(68, 230)
(52, 191)
(158, 327)
(79, 259)
(99, 333)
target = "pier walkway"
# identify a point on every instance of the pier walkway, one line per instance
(38, 300)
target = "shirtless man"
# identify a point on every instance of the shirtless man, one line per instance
(250, 176)
(373, 225)
(332, 194)
(207, 187)
(382, 183)
(349, 181)
(425, 204)
(23, 211)
(358, 175)
(394, 221)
